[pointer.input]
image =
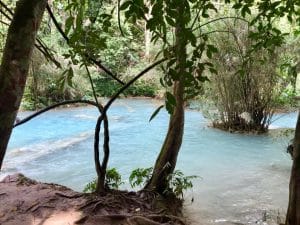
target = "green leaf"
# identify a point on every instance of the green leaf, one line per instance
(68, 24)
(154, 114)
(245, 10)
(125, 5)
(170, 21)
(213, 70)
(237, 5)
(170, 98)
(170, 102)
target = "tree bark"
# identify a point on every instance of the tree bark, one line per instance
(293, 212)
(15, 64)
(147, 35)
(166, 161)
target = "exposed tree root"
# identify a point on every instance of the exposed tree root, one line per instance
(81, 220)
(143, 219)
(48, 201)
(32, 206)
(41, 206)
(69, 196)
(167, 218)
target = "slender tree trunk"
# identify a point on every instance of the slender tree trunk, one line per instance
(166, 161)
(293, 212)
(147, 32)
(15, 64)
(147, 43)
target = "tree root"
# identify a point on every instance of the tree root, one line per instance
(35, 208)
(69, 196)
(139, 210)
(87, 204)
(105, 204)
(143, 219)
(168, 218)
(32, 206)
(81, 220)
(135, 201)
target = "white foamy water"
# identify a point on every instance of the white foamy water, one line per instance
(244, 177)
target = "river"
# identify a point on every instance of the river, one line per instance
(242, 177)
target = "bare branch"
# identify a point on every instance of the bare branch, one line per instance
(96, 146)
(98, 63)
(122, 89)
(99, 169)
(6, 24)
(92, 84)
(221, 18)
(4, 13)
(105, 144)
(40, 46)
(216, 31)
(6, 8)
(119, 19)
(46, 52)
(55, 106)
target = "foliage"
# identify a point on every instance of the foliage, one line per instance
(140, 176)
(90, 187)
(246, 85)
(178, 183)
(164, 18)
(288, 72)
(113, 178)
(113, 181)
(107, 87)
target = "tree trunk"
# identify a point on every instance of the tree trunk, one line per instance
(147, 32)
(166, 161)
(293, 212)
(15, 64)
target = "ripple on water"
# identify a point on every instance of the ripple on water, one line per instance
(244, 177)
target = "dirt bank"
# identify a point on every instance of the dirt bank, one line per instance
(28, 202)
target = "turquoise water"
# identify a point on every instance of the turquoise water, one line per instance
(242, 176)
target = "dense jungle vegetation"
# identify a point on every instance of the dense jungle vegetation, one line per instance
(52, 81)
(238, 59)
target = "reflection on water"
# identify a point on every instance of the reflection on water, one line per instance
(243, 176)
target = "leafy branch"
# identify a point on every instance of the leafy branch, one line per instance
(91, 59)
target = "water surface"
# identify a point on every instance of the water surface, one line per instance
(242, 176)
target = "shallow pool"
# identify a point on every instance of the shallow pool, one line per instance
(242, 176)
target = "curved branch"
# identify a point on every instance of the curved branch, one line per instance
(46, 52)
(55, 106)
(122, 89)
(58, 27)
(98, 63)
(98, 167)
(216, 31)
(119, 19)
(40, 46)
(105, 144)
(195, 19)
(7, 16)
(221, 18)
(6, 8)
(4, 23)
(101, 169)
(92, 85)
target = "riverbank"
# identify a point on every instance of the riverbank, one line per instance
(26, 201)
